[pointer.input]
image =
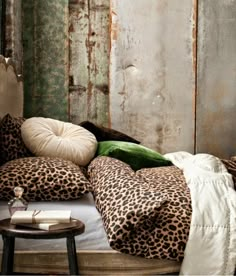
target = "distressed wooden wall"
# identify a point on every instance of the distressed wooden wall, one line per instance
(161, 71)
(89, 60)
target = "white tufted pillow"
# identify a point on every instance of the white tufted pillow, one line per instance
(54, 138)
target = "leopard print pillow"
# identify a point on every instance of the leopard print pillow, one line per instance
(43, 178)
(11, 143)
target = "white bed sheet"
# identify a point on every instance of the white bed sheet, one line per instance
(94, 237)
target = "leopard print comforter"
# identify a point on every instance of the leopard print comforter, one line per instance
(145, 213)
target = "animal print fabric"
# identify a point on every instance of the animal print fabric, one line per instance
(145, 213)
(43, 179)
(231, 168)
(11, 143)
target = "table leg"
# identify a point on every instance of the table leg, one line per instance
(8, 255)
(72, 257)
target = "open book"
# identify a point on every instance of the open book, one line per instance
(51, 226)
(40, 216)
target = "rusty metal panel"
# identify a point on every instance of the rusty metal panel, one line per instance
(216, 101)
(152, 72)
(89, 56)
(46, 55)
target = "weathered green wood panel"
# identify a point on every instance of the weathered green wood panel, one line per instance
(216, 101)
(152, 72)
(79, 62)
(89, 46)
(99, 46)
(46, 55)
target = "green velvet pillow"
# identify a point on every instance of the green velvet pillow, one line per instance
(137, 156)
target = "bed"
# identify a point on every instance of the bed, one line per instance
(99, 251)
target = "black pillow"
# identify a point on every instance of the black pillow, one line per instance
(106, 134)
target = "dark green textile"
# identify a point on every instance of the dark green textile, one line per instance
(137, 156)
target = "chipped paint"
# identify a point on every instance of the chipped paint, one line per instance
(114, 26)
(90, 43)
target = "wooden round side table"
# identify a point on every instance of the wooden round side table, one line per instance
(10, 231)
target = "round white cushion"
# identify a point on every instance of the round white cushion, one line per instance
(54, 138)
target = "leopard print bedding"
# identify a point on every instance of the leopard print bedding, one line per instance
(231, 167)
(11, 143)
(43, 179)
(145, 213)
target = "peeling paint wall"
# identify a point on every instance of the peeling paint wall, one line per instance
(159, 70)
(89, 60)
(66, 58)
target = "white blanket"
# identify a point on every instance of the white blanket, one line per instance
(211, 247)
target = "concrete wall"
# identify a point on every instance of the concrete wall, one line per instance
(152, 73)
(216, 78)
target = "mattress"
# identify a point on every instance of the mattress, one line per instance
(94, 237)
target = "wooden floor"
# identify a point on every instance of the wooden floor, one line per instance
(94, 263)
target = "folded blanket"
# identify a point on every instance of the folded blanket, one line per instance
(211, 246)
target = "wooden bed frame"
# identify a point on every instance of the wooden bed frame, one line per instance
(55, 262)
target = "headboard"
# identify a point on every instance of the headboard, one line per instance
(11, 89)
